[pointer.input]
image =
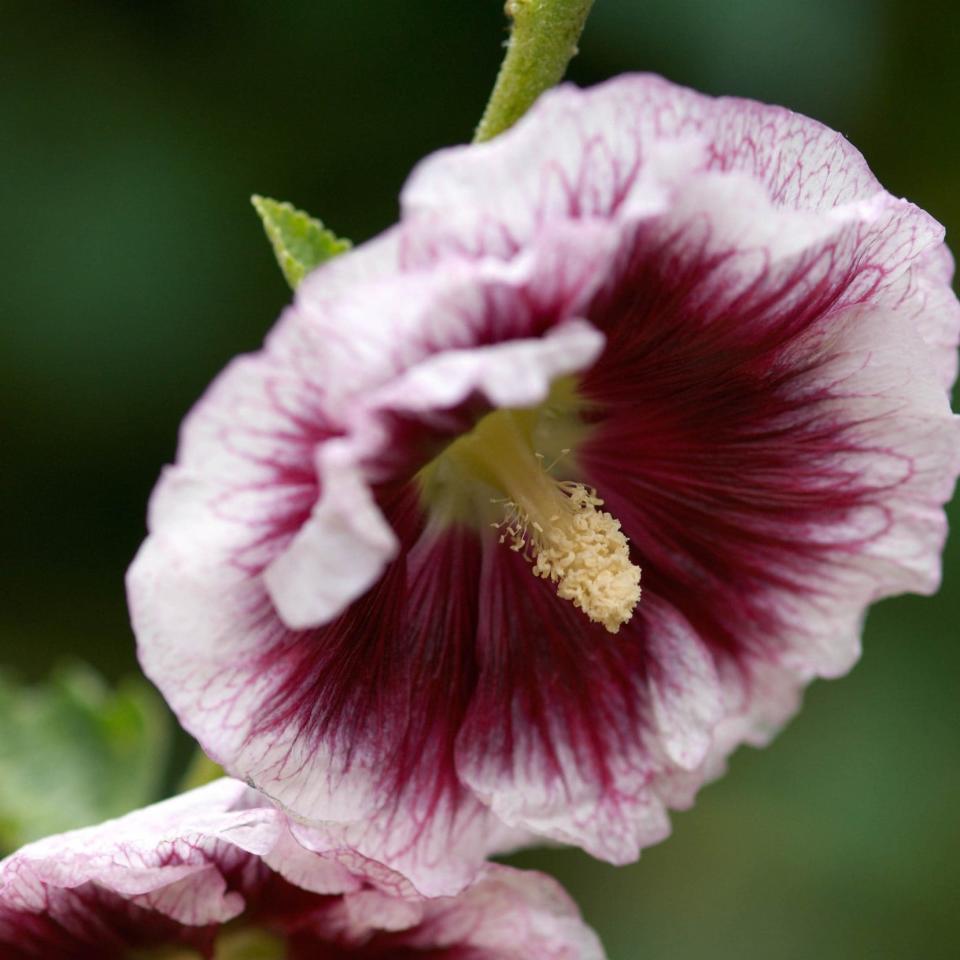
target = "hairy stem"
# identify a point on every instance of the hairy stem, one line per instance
(543, 38)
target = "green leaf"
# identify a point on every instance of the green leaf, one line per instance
(75, 752)
(299, 241)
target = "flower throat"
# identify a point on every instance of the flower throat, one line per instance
(555, 524)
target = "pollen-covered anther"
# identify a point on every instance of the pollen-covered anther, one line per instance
(580, 548)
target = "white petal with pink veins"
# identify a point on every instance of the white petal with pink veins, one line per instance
(146, 854)
(339, 553)
(758, 342)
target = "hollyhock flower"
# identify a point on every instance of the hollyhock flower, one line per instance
(221, 873)
(394, 578)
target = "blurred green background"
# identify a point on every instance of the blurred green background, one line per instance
(133, 134)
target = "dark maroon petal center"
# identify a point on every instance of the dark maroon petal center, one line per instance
(714, 437)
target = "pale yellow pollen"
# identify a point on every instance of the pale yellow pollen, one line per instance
(556, 524)
(582, 550)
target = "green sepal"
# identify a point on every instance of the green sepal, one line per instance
(299, 241)
(75, 752)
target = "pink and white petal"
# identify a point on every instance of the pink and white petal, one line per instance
(245, 478)
(414, 849)
(759, 697)
(91, 923)
(340, 552)
(244, 484)
(215, 530)
(366, 760)
(506, 914)
(170, 875)
(885, 377)
(369, 913)
(366, 337)
(202, 651)
(516, 373)
(925, 295)
(560, 738)
(494, 197)
(686, 699)
(318, 871)
(368, 263)
(513, 915)
(165, 858)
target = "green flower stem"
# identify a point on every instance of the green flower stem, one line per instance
(543, 38)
